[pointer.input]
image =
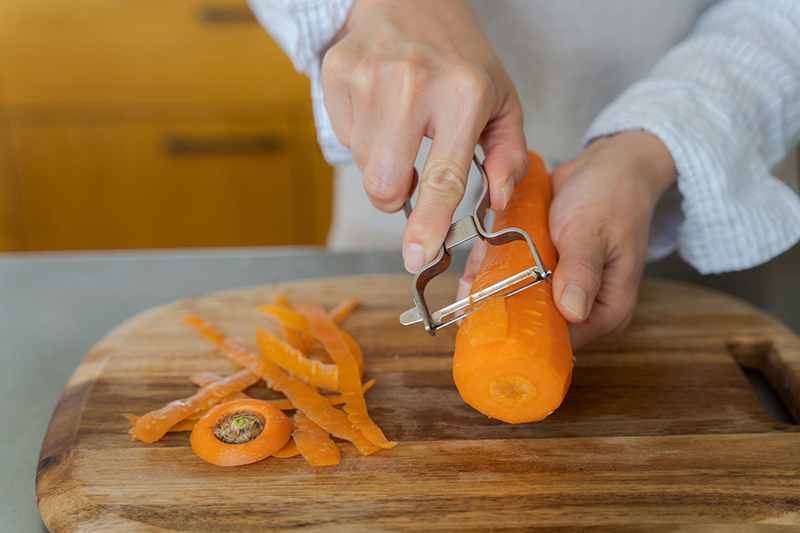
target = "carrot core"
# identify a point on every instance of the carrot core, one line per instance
(238, 428)
(512, 390)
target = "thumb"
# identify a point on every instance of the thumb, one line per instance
(576, 280)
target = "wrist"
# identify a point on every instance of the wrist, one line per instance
(648, 157)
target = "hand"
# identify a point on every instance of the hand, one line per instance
(403, 69)
(603, 202)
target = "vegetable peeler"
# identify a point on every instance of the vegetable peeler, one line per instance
(460, 232)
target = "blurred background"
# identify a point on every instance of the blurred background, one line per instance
(151, 124)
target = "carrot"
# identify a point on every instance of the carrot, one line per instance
(325, 330)
(513, 359)
(155, 424)
(314, 443)
(240, 432)
(305, 398)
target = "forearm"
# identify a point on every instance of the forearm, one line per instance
(304, 29)
(725, 103)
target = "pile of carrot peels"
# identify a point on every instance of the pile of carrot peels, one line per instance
(285, 367)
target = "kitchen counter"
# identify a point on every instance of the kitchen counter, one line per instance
(54, 308)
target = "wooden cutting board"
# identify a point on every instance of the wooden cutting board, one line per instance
(660, 430)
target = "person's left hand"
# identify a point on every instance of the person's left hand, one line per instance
(603, 203)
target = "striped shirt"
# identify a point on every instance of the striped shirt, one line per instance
(724, 99)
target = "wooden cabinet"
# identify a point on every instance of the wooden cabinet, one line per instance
(143, 123)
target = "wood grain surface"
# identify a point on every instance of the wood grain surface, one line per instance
(660, 431)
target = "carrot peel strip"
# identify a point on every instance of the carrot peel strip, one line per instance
(314, 443)
(340, 312)
(311, 371)
(155, 424)
(293, 322)
(324, 329)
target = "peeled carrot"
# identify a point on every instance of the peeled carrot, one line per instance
(513, 359)
(240, 432)
(305, 398)
(155, 424)
(314, 443)
(325, 330)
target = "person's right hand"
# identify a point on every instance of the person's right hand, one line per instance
(403, 69)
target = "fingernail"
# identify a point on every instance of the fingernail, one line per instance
(463, 289)
(414, 257)
(507, 188)
(575, 300)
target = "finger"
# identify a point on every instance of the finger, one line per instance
(614, 305)
(507, 160)
(474, 261)
(441, 188)
(577, 277)
(389, 173)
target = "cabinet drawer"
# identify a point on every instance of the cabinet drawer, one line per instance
(176, 185)
(100, 51)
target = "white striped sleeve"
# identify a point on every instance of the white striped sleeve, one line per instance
(726, 103)
(304, 29)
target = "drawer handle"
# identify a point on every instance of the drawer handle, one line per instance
(222, 145)
(217, 15)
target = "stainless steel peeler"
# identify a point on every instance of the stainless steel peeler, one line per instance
(460, 232)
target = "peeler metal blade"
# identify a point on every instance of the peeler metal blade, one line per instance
(460, 232)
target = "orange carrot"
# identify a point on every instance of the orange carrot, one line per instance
(240, 432)
(513, 359)
(305, 398)
(324, 330)
(314, 443)
(155, 424)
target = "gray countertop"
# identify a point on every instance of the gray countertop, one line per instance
(54, 308)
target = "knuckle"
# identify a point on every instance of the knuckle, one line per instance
(336, 65)
(381, 190)
(443, 180)
(472, 86)
(364, 76)
(411, 76)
